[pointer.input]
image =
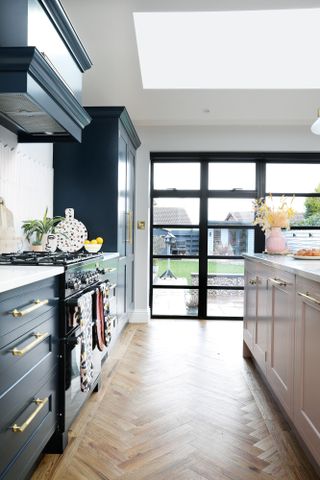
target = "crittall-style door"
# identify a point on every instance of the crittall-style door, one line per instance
(202, 221)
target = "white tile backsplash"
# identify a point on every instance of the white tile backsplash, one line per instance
(26, 178)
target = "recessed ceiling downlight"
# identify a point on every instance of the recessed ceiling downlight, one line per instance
(262, 49)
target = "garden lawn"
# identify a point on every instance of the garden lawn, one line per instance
(183, 268)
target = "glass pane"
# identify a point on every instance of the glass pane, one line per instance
(307, 209)
(225, 273)
(179, 301)
(297, 239)
(175, 272)
(230, 241)
(226, 211)
(292, 178)
(232, 176)
(175, 241)
(225, 303)
(176, 176)
(176, 211)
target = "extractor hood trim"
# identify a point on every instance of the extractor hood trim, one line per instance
(24, 72)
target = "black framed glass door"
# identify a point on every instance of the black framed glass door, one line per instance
(202, 222)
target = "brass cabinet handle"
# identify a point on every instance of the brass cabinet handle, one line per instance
(39, 337)
(36, 304)
(130, 218)
(278, 281)
(41, 403)
(252, 282)
(308, 297)
(109, 270)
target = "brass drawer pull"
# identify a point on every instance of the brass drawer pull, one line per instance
(278, 281)
(252, 282)
(41, 403)
(39, 337)
(109, 270)
(36, 304)
(308, 297)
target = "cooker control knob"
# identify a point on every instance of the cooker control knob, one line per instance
(72, 284)
(84, 280)
(89, 277)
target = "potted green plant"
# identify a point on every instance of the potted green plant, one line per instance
(37, 232)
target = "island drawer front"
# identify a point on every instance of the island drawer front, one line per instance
(45, 340)
(22, 300)
(308, 287)
(21, 408)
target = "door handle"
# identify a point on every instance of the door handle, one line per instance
(309, 297)
(278, 281)
(129, 226)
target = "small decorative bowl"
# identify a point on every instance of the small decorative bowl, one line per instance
(92, 247)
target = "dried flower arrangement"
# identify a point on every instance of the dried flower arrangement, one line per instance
(267, 216)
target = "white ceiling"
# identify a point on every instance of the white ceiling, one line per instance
(107, 31)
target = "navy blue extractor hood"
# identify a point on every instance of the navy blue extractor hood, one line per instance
(34, 99)
(42, 62)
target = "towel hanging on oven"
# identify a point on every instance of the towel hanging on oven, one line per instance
(101, 329)
(99, 326)
(85, 317)
(105, 293)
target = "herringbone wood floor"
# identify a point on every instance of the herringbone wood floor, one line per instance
(179, 403)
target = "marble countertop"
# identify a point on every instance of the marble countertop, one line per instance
(13, 276)
(305, 268)
(110, 255)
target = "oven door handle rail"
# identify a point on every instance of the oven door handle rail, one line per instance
(73, 301)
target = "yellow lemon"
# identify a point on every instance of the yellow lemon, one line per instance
(94, 242)
(86, 242)
(99, 240)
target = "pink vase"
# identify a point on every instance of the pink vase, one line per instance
(275, 241)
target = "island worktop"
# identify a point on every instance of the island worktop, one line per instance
(309, 269)
(14, 276)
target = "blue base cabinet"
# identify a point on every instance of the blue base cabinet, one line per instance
(28, 375)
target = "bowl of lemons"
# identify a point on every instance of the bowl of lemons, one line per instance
(93, 246)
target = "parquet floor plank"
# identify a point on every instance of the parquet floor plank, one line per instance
(178, 402)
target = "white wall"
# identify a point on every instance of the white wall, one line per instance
(26, 177)
(161, 139)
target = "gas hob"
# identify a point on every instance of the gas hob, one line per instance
(46, 258)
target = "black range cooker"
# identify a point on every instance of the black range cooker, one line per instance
(83, 273)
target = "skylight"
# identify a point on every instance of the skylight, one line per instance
(262, 49)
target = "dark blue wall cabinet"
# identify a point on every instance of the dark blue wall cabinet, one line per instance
(41, 66)
(96, 177)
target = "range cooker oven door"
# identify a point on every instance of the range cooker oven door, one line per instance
(74, 396)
